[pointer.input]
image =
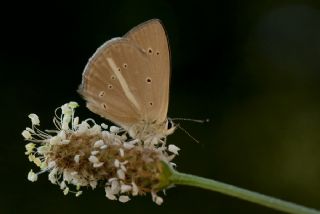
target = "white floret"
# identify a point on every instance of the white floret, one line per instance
(124, 198)
(34, 119)
(174, 149)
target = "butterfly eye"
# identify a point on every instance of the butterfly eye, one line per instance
(148, 80)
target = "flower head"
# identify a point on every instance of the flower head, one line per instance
(34, 119)
(85, 154)
(32, 176)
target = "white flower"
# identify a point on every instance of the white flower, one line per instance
(78, 193)
(121, 152)
(93, 184)
(98, 143)
(73, 105)
(121, 175)
(103, 147)
(43, 166)
(52, 176)
(174, 149)
(66, 110)
(27, 135)
(104, 126)
(66, 191)
(134, 142)
(112, 179)
(76, 158)
(106, 134)
(65, 142)
(123, 168)
(96, 129)
(62, 134)
(34, 119)
(32, 176)
(29, 148)
(43, 149)
(94, 152)
(52, 164)
(75, 121)
(125, 188)
(97, 165)
(63, 185)
(83, 127)
(109, 194)
(55, 140)
(116, 163)
(114, 129)
(65, 121)
(154, 141)
(128, 145)
(74, 173)
(135, 189)
(30, 130)
(37, 162)
(115, 187)
(31, 157)
(93, 159)
(67, 175)
(124, 137)
(124, 198)
(157, 199)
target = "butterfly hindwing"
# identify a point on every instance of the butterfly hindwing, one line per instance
(112, 82)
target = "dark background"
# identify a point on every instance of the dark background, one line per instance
(252, 67)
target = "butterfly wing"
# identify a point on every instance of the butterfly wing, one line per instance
(127, 83)
(151, 37)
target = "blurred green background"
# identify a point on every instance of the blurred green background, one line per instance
(252, 67)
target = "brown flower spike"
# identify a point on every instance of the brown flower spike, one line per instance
(87, 154)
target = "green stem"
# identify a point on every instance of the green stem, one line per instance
(264, 200)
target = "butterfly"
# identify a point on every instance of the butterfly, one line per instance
(127, 82)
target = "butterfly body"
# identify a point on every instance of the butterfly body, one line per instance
(151, 132)
(127, 82)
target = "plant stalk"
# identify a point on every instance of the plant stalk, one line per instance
(258, 198)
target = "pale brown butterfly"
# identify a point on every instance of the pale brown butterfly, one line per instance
(127, 82)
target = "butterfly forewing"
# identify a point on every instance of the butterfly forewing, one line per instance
(152, 39)
(127, 79)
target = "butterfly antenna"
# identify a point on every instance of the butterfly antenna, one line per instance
(192, 120)
(185, 131)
